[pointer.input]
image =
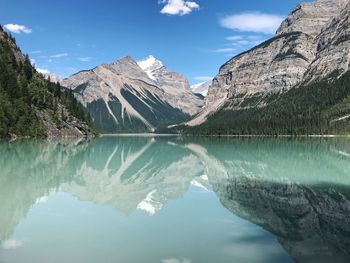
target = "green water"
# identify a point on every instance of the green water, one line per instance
(175, 200)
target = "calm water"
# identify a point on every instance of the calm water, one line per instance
(172, 200)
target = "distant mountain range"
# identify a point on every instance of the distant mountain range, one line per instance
(294, 83)
(297, 82)
(130, 96)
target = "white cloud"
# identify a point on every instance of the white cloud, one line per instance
(178, 7)
(43, 71)
(175, 260)
(32, 61)
(234, 38)
(203, 78)
(17, 29)
(61, 55)
(252, 22)
(11, 244)
(85, 59)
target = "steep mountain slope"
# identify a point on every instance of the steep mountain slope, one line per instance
(127, 96)
(309, 46)
(31, 105)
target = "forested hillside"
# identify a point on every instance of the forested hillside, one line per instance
(322, 107)
(30, 105)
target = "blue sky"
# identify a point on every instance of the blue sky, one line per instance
(191, 37)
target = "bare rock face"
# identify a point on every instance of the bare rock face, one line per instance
(312, 42)
(309, 18)
(64, 125)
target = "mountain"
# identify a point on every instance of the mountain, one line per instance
(201, 88)
(130, 96)
(32, 106)
(295, 82)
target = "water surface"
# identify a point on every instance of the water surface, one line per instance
(175, 200)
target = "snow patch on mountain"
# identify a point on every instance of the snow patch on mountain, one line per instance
(149, 65)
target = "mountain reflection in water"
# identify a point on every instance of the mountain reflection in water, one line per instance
(296, 189)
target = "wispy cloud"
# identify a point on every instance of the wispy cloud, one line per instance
(238, 43)
(60, 55)
(203, 78)
(17, 29)
(252, 22)
(178, 7)
(85, 59)
(35, 52)
(224, 50)
(244, 41)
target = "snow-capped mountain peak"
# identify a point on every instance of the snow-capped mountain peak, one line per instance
(149, 65)
(201, 88)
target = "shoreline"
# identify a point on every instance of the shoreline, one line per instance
(222, 135)
(138, 135)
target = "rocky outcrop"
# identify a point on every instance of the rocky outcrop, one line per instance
(310, 43)
(127, 96)
(61, 124)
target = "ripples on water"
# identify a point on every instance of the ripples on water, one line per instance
(175, 200)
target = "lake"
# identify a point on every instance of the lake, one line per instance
(175, 200)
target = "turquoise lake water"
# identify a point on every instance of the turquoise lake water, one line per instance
(175, 200)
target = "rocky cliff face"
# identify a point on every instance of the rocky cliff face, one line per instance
(333, 47)
(311, 42)
(309, 18)
(129, 96)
